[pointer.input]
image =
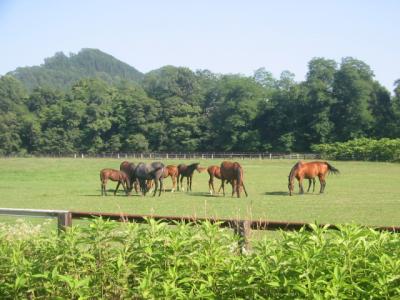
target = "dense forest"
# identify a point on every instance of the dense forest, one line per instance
(91, 102)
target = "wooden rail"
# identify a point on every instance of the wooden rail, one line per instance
(241, 227)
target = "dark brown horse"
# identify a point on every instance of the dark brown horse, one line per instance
(310, 170)
(233, 173)
(187, 171)
(129, 169)
(114, 175)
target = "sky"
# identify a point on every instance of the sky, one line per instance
(223, 36)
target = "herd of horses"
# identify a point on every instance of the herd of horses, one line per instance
(144, 176)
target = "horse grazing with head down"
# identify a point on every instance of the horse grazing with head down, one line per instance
(114, 175)
(187, 171)
(310, 170)
(153, 171)
(129, 169)
(233, 173)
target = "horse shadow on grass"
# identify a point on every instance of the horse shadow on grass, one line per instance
(203, 194)
(276, 193)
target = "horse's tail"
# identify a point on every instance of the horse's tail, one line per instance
(332, 169)
(239, 179)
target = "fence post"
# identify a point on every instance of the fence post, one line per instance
(64, 220)
(243, 230)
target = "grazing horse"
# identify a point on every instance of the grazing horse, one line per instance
(187, 171)
(129, 169)
(214, 172)
(114, 175)
(153, 171)
(310, 170)
(233, 173)
(172, 171)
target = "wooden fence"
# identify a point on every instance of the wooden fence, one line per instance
(240, 227)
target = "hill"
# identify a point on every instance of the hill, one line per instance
(61, 71)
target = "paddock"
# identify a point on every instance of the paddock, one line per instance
(364, 193)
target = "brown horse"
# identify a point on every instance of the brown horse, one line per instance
(310, 170)
(233, 173)
(187, 171)
(172, 171)
(214, 172)
(114, 175)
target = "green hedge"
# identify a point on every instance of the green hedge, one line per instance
(362, 149)
(107, 260)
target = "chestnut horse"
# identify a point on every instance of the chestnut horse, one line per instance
(114, 175)
(214, 172)
(187, 171)
(172, 171)
(310, 170)
(233, 173)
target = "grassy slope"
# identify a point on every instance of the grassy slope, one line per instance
(366, 193)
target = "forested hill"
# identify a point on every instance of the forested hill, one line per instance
(61, 71)
(177, 109)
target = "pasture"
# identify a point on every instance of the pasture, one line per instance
(364, 193)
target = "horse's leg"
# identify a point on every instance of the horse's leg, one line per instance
(223, 187)
(155, 186)
(313, 186)
(190, 182)
(220, 187)
(181, 180)
(301, 186)
(233, 183)
(244, 189)
(173, 178)
(322, 183)
(187, 183)
(161, 186)
(211, 185)
(309, 184)
(116, 189)
(124, 187)
(136, 185)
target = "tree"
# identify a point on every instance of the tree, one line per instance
(352, 89)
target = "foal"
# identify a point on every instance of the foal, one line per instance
(187, 171)
(172, 171)
(114, 175)
(214, 172)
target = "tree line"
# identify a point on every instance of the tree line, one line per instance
(177, 109)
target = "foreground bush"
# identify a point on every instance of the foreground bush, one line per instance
(107, 260)
(361, 149)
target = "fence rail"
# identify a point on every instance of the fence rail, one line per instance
(182, 155)
(241, 227)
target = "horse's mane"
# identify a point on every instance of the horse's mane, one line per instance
(293, 171)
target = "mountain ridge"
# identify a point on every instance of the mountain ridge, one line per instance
(61, 71)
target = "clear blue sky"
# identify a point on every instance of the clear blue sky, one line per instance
(222, 36)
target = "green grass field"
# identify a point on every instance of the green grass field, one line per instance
(364, 193)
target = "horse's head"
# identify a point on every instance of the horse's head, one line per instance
(198, 168)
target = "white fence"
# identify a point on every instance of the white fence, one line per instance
(181, 155)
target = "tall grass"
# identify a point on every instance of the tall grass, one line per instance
(107, 260)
